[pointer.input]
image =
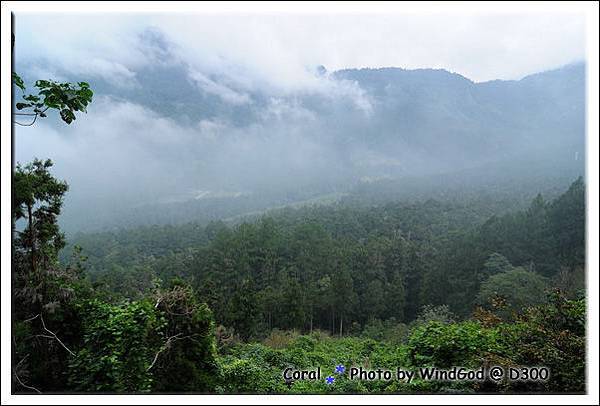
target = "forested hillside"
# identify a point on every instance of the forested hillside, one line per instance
(226, 308)
(338, 267)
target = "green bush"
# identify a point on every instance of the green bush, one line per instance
(167, 344)
(118, 343)
(551, 335)
(249, 376)
(446, 345)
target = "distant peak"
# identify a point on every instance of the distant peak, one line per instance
(321, 70)
(397, 72)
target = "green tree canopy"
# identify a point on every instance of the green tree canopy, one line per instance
(519, 287)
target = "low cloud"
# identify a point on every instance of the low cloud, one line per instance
(125, 151)
(210, 86)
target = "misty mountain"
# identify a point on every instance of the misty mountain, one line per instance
(218, 144)
(396, 120)
(445, 113)
(422, 107)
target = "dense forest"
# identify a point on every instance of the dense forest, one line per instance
(226, 308)
(329, 266)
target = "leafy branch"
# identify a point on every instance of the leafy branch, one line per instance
(67, 98)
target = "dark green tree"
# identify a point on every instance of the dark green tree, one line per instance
(41, 285)
(519, 287)
(43, 289)
(567, 224)
(244, 312)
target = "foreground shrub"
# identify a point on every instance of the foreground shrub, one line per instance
(550, 335)
(166, 344)
(447, 345)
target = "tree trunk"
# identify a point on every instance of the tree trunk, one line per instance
(341, 326)
(31, 238)
(332, 322)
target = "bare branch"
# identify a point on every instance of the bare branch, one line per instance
(20, 362)
(179, 314)
(19, 379)
(35, 116)
(166, 345)
(27, 125)
(44, 336)
(55, 336)
(31, 318)
(25, 386)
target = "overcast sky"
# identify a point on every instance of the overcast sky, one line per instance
(280, 48)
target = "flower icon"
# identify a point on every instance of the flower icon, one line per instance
(340, 369)
(330, 380)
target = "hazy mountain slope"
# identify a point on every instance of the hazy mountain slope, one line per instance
(226, 137)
